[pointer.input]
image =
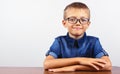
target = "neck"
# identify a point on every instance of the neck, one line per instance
(76, 36)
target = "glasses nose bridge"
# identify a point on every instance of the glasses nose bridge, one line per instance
(78, 20)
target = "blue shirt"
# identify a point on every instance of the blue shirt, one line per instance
(67, 47)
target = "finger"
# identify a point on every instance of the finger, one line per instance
(50, 70)
(99, 64)
(54, 70)
(57, 70)
(101, 61)
(94, 66)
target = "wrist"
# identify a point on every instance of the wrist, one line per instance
(79, 60)
(76, 61)
(77, 67)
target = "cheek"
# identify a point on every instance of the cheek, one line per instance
(86, 27)
(69, 27)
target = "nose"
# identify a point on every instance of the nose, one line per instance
(78, 22)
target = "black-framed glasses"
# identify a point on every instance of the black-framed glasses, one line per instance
(74, 20)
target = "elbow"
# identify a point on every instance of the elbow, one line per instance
(46, 65)
(108, 67)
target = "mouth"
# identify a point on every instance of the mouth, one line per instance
(77, 28)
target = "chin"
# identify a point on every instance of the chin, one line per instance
(78, 34)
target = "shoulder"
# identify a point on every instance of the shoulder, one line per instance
(92, 38)
(60, 38)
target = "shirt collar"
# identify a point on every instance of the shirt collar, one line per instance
(71, 41)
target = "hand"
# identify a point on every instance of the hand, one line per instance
(93, 62)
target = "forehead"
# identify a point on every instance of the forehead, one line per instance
(77, 13)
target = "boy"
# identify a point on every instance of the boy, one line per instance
(76, 50)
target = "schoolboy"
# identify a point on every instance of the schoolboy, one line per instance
(76, 50)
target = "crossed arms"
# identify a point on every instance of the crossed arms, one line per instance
(78, 63)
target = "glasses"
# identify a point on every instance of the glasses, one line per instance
(74, 20)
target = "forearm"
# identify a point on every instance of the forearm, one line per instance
(71, 68)
(84, 67)
(57, 63)
(83, 63)
(105, 66)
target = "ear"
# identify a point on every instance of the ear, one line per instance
(64, 23)
(88, 24)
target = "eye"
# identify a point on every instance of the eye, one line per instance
(84, 19)
(72, 19)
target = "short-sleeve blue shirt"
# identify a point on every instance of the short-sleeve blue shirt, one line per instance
(67, 47)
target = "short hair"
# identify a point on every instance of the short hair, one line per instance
(78, 5)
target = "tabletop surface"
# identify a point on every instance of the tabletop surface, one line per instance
(40, 70)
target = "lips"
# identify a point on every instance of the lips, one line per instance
(77, 28)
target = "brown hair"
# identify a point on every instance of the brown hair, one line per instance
(77, 5)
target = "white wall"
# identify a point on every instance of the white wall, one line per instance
(28, 27)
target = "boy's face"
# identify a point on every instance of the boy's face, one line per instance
(76, 21)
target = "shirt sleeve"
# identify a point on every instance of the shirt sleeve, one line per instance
(98, 50)
(54, 49)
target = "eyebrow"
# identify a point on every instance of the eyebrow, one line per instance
(76, 17)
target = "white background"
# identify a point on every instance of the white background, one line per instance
(28, 28)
